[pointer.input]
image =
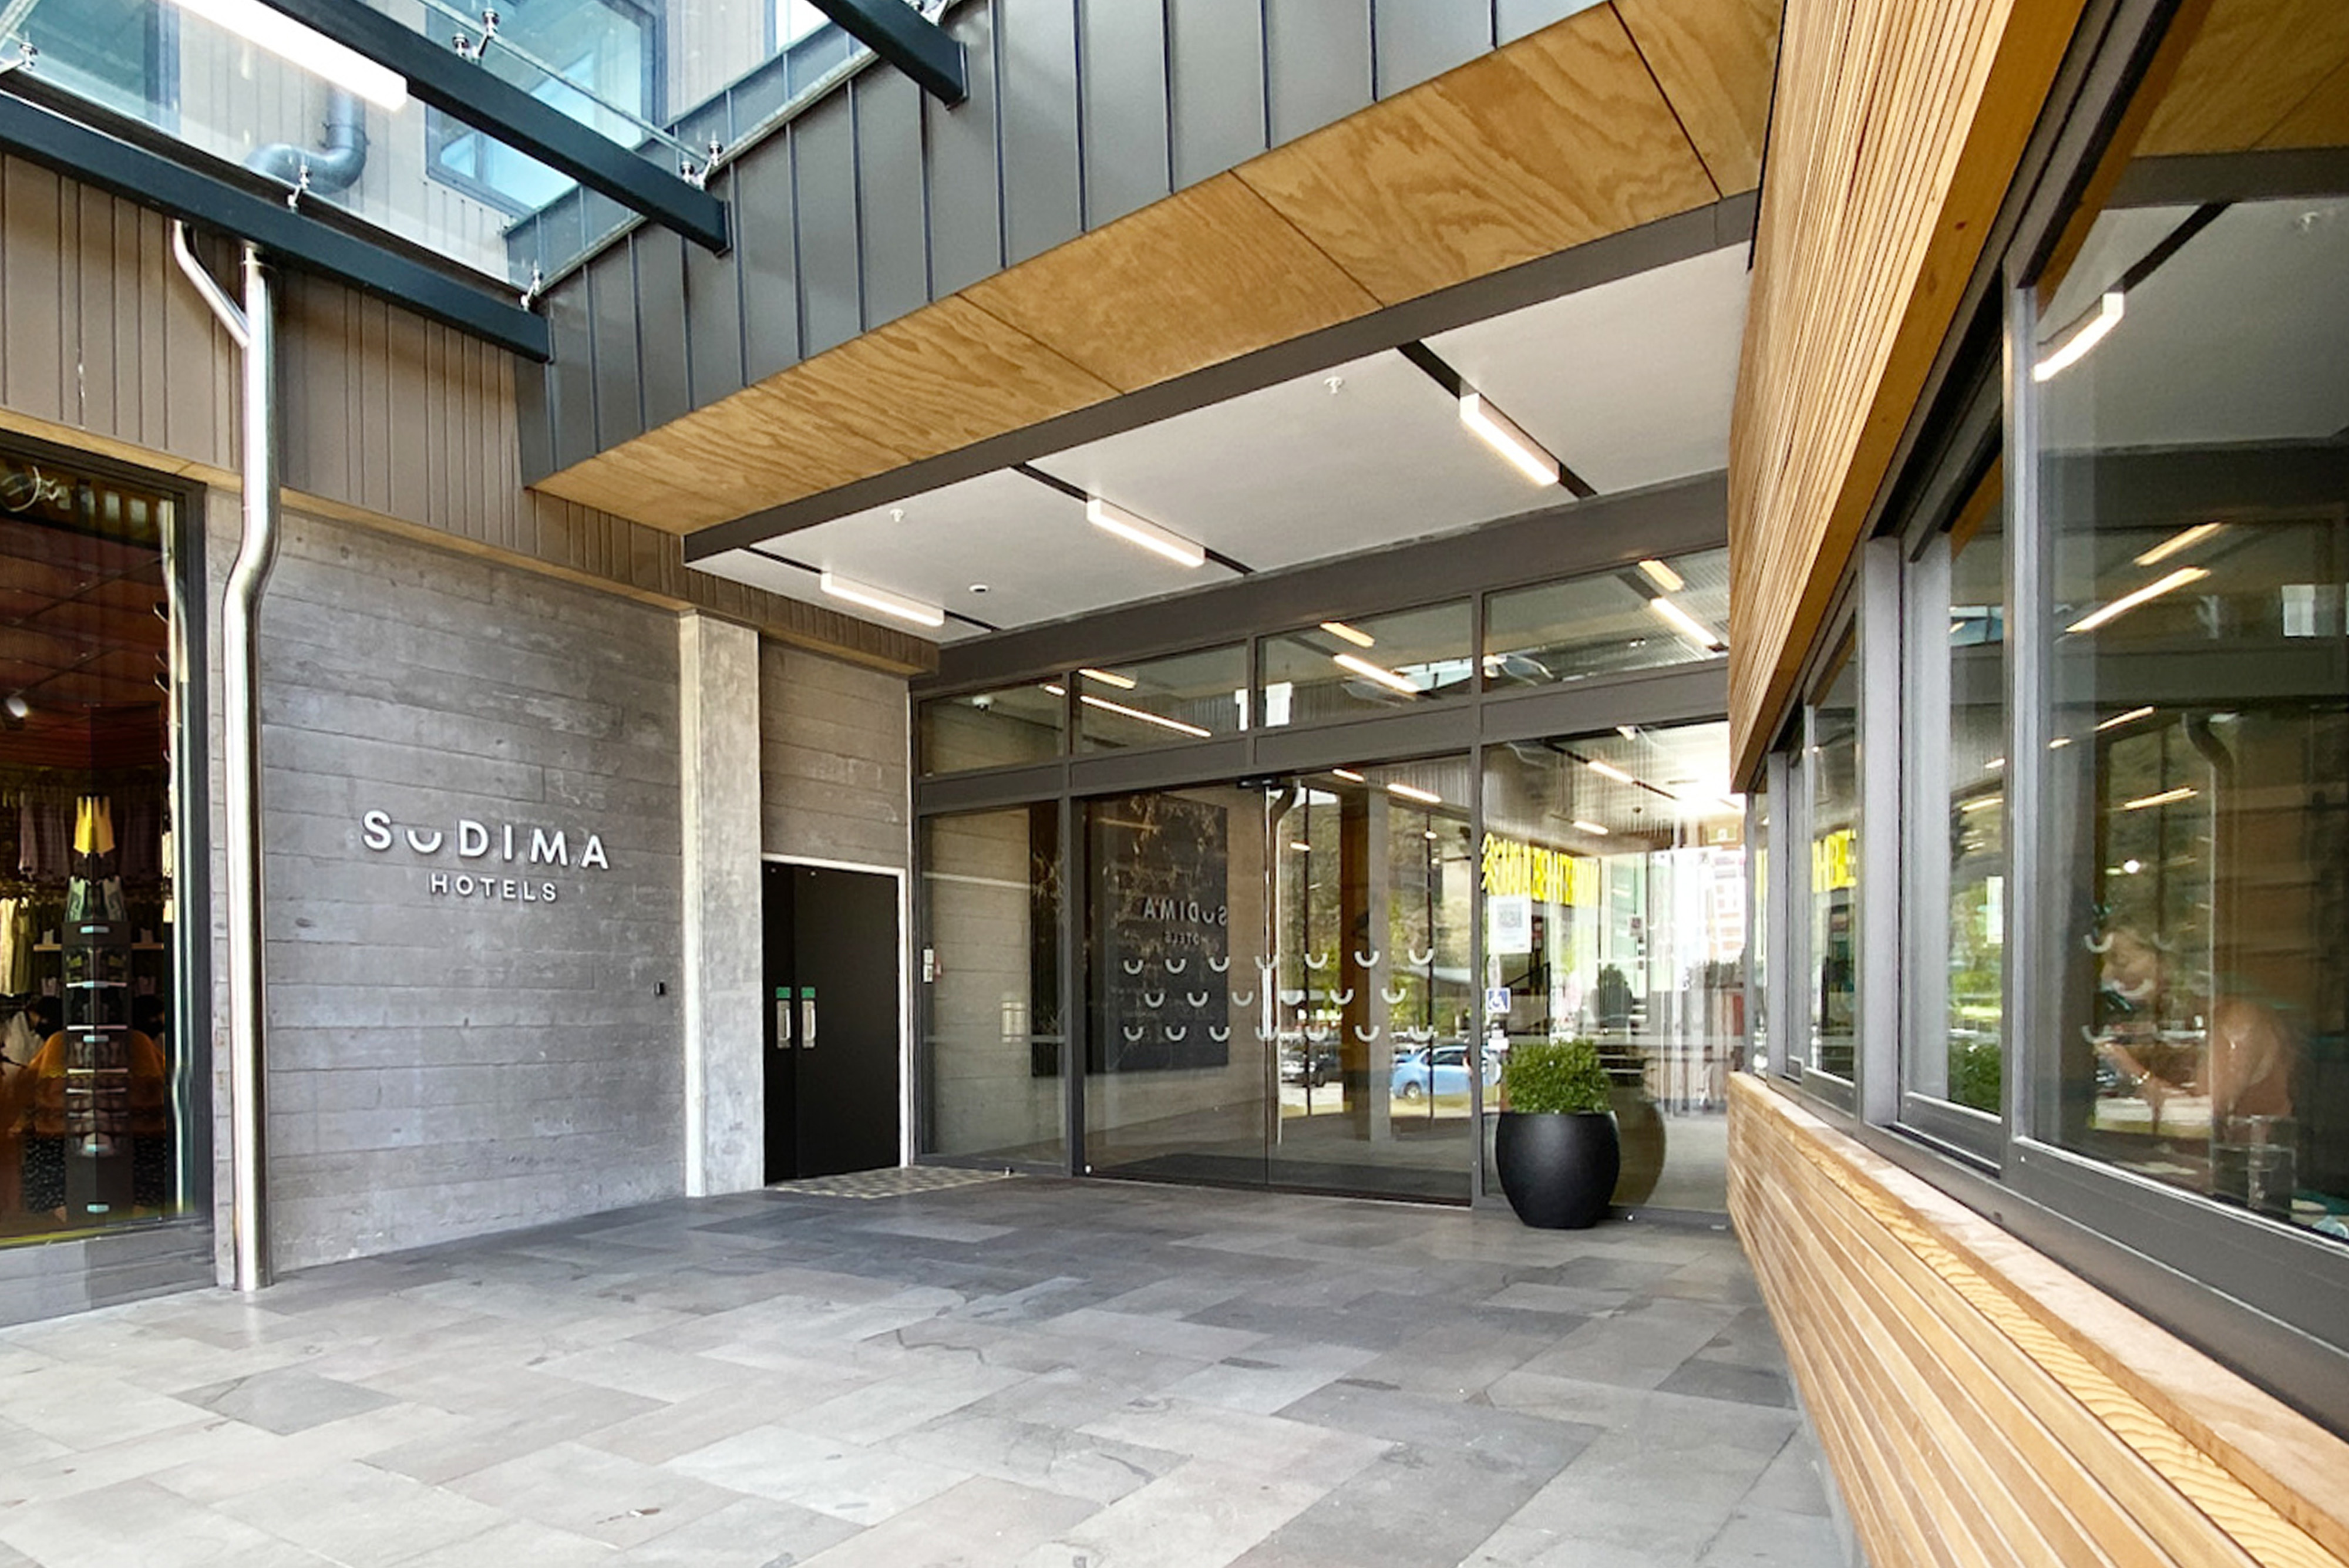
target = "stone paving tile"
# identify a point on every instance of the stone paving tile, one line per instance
(1025, 1372)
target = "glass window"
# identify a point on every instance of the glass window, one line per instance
(1613, 870)
(994, 728)
(1953, 1049)
(1657, 613)
(601, 55)
(110, 51)
(1159, 701)
(1831, 774)
(1379, 664)
(991, 1039)
(1757, 931)
(2190, 366)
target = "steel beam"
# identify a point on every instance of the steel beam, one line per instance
(905, 38)
(166, 185)
(462, 87)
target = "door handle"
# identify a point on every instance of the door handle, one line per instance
(783, 1025)
(807, 1024)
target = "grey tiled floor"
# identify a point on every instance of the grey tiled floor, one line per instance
(1026, 1372)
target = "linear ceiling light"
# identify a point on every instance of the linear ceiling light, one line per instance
(1057, 691)
(2167, 798)
(1148, 534)
(881, 599)
(1982, 803)
(2089, 333)
(1352, 634)
(1501, 433)
(2184, 539)
(1123, 711)
(1608, 769)
(1591, 827)
(1110, 678)
(2118, 720)
(2127, 602)
(1412, 792)
(313, 51)
(1378, 672)
(1349, 775)
(1684, 622)
(1664, 577)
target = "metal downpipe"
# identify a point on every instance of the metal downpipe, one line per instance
(255, 330)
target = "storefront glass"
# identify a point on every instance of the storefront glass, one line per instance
(1374, 664)
(1278, 982)
(992, 1036)
(1162, 701)
(1830, 767)
(1644, 616)
(97, 1092)
(995, 728)
(1613, 868)
(2190, 368)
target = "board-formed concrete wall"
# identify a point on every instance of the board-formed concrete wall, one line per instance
(834, 761)
(444, 1066)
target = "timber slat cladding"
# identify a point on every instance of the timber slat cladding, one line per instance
(1980, 1406)
(1609, 120)
(1897, 131)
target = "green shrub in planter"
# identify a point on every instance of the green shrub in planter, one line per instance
(1562, 1077)
(1554, 1146)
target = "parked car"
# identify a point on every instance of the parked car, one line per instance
(1415, 1074)
(1313, 1070)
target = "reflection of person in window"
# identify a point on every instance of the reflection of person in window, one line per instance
(2242, 1061)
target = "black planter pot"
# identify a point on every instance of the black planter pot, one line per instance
(1558, 1171)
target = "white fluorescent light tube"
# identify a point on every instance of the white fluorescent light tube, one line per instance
(1501, 433)
(1983, 802)
(1057, 691)
(1378, 672)
(1352, 634)
(312, 50)
(2167, 798)
(1591, 827)
(1684, 622)
(2184, 539)
(1664, 577)
(1609, 769)
(1412, 792)
(2076, 348)
(1123, 711)
(1349, 775)
(2127, 602)
(1148, 534)
(881, 599)
(1110, 678)
(2118, 720)
(1301, 847)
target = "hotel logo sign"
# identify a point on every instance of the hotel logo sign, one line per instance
(505, 862)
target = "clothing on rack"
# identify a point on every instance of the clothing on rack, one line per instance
(95, 899)
(18, 935)
(93, 826)
(44, 839)
(19, 1039)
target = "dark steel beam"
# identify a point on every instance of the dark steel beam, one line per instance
(905, 40)
(166, 185)
(457, 86)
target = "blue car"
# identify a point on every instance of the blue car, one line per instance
(1415, 1076)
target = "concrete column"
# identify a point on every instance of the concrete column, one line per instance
(725, 1091)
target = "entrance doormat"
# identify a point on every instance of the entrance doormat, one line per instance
(895, 1182)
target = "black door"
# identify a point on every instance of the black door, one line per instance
(833, 1020)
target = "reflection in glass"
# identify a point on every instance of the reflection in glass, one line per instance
(1278, 983)
(1613, 868)
(1831, 765)
(2192, 366)
(1641, 617)
(1378, 664)
(1163, 701)
(991, 1043)
(1757, 931)
(994, 728)
(1952, 1048)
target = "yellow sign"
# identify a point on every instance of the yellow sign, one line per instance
(1832, 861)
(1513, 869)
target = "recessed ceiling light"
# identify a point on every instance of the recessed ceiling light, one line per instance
(1378, 672)
(1410, 792)
(978, 587)
(1591, 827)
(1503, 435)
(1349, 775)
(2118, 720)
(1664, 577)
(2127, 602)
(18, 706)
(2184, 539)
(1141, 531)
(1110, 678)
(1684, 622)
(2167, 798)
(881, 599)
(311, 51)
(1608, 769)
(1352, 634)
(1123, 711)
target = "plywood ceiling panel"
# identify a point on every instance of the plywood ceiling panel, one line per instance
(1712, 59)
(2253, 63)
(1203, 275)
(1551, 142)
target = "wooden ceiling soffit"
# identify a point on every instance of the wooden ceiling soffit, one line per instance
(1713, 63)
(1556, 139)
(1899, 128)
(2249, 73)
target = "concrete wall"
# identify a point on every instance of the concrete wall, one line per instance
(833, 758)
(444, 1066)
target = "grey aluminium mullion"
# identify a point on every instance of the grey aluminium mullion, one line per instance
(1076, 900)
(1876, 1062)
(2029, 981)
(1480, 1022)
(1925, 773)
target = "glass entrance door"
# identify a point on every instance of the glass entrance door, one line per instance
(1277, 983)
